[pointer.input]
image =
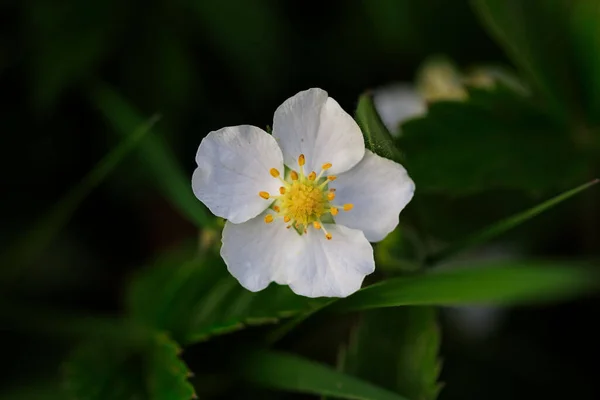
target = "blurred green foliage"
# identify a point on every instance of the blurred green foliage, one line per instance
(83, 79)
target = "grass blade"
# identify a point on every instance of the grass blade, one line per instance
(291, 373)
(503, 283)
(27, 248)
(505, 225)
(170, 177)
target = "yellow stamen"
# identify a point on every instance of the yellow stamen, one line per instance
(312, 176)
(348, 207)
(276, 208)
(286, 219)
(317, 225)
(328, 236)
(268, 218)
(294, 175)
(334, 211)
(264, 195)
(274, 172)
(301, 160)
(330, 196)
(326, 166)
(282, 190)
(331, 178)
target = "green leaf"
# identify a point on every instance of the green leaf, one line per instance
(505, 225)
(504, 283)
(535, 35)
(291, 373)
(111, 370)
(377, 138)
(397, 349)
(195, 298)
(169, 176)
(586, 37)
(491, 140)
(36, 239)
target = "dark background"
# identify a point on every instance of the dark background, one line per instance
(202, 66)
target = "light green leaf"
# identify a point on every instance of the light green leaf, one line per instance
(33, 242)
(397, 349)
(99, 370)
(377, 138)
(291, 373)
(169, 176)
(195, 298)
(503, 283)
(462, 147)
(507, 224)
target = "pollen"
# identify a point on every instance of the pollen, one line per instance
(303, 199)
(301, 160)
(348, 207)
(328, 236)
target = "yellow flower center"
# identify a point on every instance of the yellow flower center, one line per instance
(304, 199)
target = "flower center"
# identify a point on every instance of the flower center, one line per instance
(304, 199)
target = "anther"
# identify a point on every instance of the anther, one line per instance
(334, 211)
(348, 207)
(286, 219)
(264, 195)
(317, 225)
(274, 172)
(328, 236)
(268, 218)
(301, 160)
(312, 176)
(326, 166)
(276, 208)
(294, 175)
(330, 196)
(282, 190)
(331, 178)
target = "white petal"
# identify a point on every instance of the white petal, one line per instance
(379, 189)
(257, 253)
(315, 125)
(331, 268)
(233, 167)
(397, 103)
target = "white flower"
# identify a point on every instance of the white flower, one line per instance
(303, 204)
(396, 103)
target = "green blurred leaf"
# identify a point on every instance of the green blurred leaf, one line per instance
(504, 283)
(586, 37)
(295, 374)
(29, 247)
(535, 35)
(68, 42)
(169, 176)
(111, 370)
(377, 138)
(397, 349)
(35, 391)
(505, 225)
(495, 139)
(195, 298)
